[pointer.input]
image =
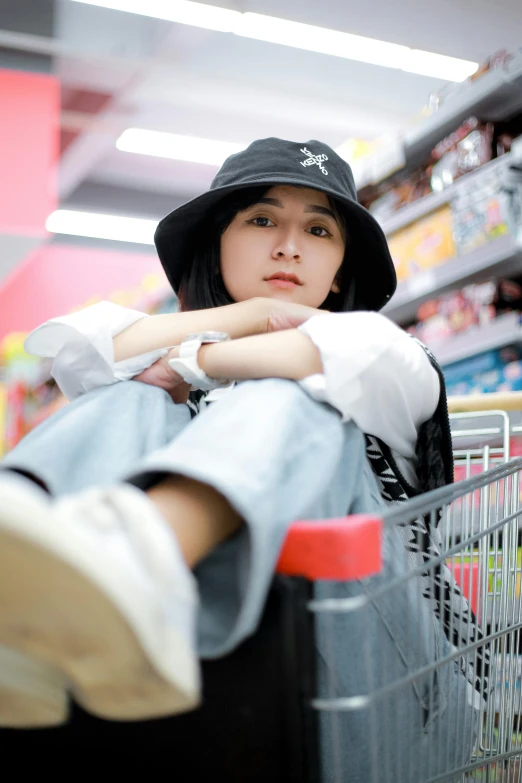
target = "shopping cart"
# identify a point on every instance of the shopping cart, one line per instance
(267, 708)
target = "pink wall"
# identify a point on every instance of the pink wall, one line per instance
(29, 147)
(54, 279)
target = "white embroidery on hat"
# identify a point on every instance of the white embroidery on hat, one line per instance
(312, 159)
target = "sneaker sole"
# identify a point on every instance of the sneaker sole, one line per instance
(51, 610)
(33, 695)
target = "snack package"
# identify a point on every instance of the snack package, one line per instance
(482, 211)
(422, 245)
(465, 150)
(495, 298)
(393, 195)
(488, 372)
(473, 305)
(498, 59)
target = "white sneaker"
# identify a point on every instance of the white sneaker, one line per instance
(33, 694)
(96, 586)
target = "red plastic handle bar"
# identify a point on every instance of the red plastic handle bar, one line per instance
(338, 549)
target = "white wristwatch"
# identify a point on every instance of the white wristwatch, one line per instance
(187, 365)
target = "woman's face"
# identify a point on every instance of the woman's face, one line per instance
(290, 231)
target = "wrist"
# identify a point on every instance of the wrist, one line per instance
(203, 357)
(185, 360)
(252, 318)
(208, 359)
(289, 354)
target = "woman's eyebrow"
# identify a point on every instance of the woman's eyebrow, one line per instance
(319, 210)
(275, 202)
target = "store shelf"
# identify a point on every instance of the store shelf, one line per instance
(424, 206)
(498, 258)
(413, 212)
(495, 96)
(503, 331)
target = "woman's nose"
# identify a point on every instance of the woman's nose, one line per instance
(287, 247)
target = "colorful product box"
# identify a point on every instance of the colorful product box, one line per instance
(425, 244)
(481, 212)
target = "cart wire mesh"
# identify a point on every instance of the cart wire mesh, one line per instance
(466, 699)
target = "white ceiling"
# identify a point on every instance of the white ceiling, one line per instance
(182, 79)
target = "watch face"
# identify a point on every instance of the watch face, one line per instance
(209, 337)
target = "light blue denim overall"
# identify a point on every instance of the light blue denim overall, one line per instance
(278, 456)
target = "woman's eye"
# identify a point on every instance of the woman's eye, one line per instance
(319, 231)
(262, 222)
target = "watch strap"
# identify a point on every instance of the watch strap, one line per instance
(187, 366)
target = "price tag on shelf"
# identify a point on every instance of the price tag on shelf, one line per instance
(421, 284)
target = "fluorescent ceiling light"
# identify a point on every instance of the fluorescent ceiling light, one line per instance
(210, 17)
(90, 224)
(450, 69)
(301, 36)
(172, 145)
(319, 39)
(353, 47)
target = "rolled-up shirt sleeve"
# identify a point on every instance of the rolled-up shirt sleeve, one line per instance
(374, 374)
(80, 347)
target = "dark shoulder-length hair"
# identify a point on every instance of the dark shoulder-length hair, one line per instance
(202, 285)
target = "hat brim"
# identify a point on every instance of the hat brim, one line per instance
(374, 271)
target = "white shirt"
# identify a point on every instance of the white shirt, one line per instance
(374, 373)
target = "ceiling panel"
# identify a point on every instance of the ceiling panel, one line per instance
(187, 80)
(470, 29)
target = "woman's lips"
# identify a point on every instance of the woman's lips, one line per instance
(279, 283)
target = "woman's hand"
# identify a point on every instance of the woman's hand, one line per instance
(258, 315)
(254, 316)
(277, 315)
(162, 375)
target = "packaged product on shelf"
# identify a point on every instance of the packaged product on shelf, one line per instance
(422, 245)
(458, 308)
(505, 134)
(474, 365)
(432, 326)
(28, 395)
(487, 372)
(391, 196)
(473, 305)
(465, 150)
(27, 390)
(482, 211)
(512, 377)
(495, 298)
(441, 318)
(452, 90)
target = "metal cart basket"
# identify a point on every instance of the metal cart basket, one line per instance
(267, 707)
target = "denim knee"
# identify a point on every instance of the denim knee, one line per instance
(129, 390)
(354, 436)
(281, 391)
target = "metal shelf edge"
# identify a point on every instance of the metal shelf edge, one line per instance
(419, 140)
(478, 340)
(500, 256)
(424, 206)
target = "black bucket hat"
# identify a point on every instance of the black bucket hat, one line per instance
(270, 162)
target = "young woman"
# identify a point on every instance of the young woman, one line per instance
(137, 536)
